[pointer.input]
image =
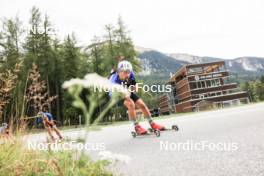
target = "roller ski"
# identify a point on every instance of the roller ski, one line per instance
(140, 131)
(155, 126)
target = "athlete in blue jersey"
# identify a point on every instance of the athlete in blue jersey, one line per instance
(126, 77)
(48, 121)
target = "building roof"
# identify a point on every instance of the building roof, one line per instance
(205, 64)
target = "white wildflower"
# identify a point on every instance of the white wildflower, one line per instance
(72, 82)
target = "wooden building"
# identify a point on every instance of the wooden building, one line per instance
(198, 87)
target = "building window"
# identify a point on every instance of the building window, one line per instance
(195, 70)
(213, 83)
(199, 85)
(212, 94)
(217, 82)
(193, 85)
(195, 96)
(208, 83)
(202, 84)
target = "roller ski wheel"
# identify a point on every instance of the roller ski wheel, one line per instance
(134, 134)
(157, 133)
(175, 127)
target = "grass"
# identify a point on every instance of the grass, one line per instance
(18, 160)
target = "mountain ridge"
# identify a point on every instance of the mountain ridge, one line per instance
(164, 64)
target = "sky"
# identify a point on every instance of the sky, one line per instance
(218, 28)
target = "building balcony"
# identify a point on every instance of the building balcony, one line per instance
(214, 88)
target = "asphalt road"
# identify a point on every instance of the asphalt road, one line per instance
(218, 143)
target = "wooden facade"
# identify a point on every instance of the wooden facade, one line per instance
(206, 82)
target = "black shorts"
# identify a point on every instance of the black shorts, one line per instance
(133, 96)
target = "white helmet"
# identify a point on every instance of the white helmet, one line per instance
(124, 66)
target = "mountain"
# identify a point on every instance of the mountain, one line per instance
(159, 66)
(246, 64)
(154, 62)
(193, 59)
(242, 64)
(142, 49)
